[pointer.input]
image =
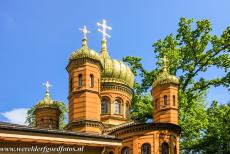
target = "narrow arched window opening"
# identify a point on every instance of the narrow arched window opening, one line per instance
(42, 123)
(127, 110)
(71, 84)
(174, 100)
(91, 81)
(80, 82)
(50, 123)
(104, 106)
(164, 100)
(125, 150)
(175, 151)
(165, 148)
(146, 148)
(117, 107)
(156, 104)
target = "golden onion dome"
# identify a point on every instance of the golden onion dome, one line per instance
(85, 52)
(47, 100)
(164, 77)
(114, 70)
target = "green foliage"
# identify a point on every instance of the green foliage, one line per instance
(142, 107)
(216, 138)
(191, 52)
(30, 119)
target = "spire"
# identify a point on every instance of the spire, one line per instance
(85, 31)
(164, 60)
(104, 27)
(47, 85)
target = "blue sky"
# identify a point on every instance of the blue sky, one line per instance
(38, 36)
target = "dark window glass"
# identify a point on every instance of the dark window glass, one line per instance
(104, 106)
(127, 110)
(91, 81)
(117, 107)
(50, 123)
(42, 122)
(165, 148)
(80, 80)
(71, 85)
(174, 100)
(156, 104)
(125, 150)
(146, 148)
(164, 100)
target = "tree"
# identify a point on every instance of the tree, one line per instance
(216, 137)
(191, 52)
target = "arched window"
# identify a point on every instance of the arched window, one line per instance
(117, 107)
(80, 83)
(104, 106)
(156, 104)
(165, 148)
(50, 123)
(91, 81)
(42, 123)
(175, 151)
(146, 148)
(164, 100)
(125, 150)
(174, 100)
(127, 110)
(71, 84)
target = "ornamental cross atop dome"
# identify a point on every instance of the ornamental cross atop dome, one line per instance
(47, 85)
(164, 60)
(103, 29)
(85, 31)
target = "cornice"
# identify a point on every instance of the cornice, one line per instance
(145, 127)
(82, 123)
(75, 63)
(116, 86)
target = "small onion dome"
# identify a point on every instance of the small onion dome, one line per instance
(165, 78)
(46, 102)
(114, 70)
(85, 52)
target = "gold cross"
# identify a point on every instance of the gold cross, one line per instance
(47, 85)
(164, 60)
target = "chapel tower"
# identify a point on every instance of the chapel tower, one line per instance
(84, 89)
(165, 97)
(47, 113)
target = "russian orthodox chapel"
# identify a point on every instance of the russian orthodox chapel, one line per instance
(99, 101)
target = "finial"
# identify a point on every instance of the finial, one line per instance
(103, 29)
(164, 60)
(47, 85)
(85, 31)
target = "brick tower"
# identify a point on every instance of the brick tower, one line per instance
(47, 112)
(84, 89)
(165, 97)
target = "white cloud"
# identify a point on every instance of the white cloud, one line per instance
(16, 116)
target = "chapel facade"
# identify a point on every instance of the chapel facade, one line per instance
(100, 95)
